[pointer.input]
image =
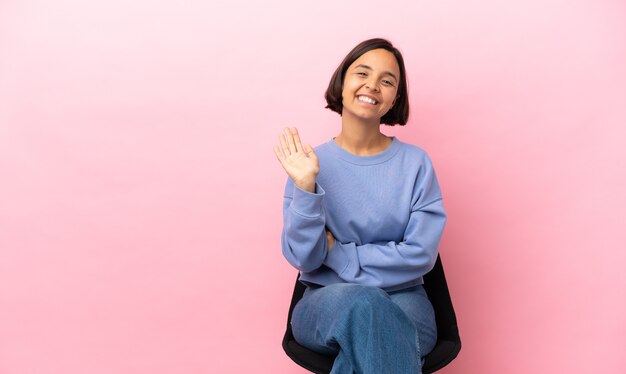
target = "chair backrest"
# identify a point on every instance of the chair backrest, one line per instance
(448, 339)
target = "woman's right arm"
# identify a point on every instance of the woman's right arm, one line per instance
(304, 221)
(304, 239)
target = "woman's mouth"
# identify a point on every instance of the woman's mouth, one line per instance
(366, 99)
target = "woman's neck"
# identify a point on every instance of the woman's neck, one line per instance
(362, 139)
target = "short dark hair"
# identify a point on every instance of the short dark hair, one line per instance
(399, 113)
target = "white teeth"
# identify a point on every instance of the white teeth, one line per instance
(366, 99)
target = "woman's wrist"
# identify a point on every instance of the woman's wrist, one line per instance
(306, 185)
(330, 239)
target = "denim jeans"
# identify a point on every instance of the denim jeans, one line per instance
(370, 330)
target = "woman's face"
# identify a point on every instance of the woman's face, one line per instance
(370, 86)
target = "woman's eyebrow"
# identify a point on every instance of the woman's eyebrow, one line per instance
(369, 68)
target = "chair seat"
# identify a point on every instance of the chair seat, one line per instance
(444, 352)
(316, 362)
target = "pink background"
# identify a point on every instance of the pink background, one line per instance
(140, 199)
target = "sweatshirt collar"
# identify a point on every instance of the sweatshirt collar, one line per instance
(378, 158)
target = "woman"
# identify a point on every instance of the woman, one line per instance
(363, 217)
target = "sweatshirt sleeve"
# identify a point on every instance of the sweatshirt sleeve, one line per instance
(304, 223)
(386, 264)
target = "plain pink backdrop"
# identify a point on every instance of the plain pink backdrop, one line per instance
(140, 199)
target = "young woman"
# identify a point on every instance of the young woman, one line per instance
(363, 217)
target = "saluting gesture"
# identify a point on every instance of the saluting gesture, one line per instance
(300, 162)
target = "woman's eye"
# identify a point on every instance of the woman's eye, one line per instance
(361, 73)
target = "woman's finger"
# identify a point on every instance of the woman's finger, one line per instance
(279, 154)
(296, 140)
(283, 144)
(310, 152)
(292, 145)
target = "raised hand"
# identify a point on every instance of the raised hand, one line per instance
(300, 163)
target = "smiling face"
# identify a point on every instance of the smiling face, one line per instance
(370, 86)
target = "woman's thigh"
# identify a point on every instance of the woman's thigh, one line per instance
(416, 306)
(318, 314)
(319, 309)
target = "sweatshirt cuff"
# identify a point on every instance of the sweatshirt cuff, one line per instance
(306, 203)
(336, 259)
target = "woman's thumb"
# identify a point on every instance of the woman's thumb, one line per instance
(309, 151)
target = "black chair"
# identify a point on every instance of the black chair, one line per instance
(448, 340)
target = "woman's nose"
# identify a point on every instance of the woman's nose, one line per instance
(372, 85)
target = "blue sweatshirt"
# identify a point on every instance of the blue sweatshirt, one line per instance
(385, 212)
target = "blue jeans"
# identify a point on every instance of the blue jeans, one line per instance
(370, 330)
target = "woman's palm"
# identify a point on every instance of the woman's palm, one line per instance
(300, 163)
